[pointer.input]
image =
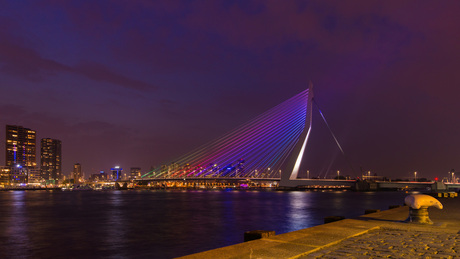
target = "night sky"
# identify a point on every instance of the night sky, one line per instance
(138, 83)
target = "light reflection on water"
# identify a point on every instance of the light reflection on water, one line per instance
(161, 224)
(115, 225)
(299, 215)
(16, 224)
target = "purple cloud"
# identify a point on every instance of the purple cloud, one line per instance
(22, 61)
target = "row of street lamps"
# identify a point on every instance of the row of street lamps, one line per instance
(369, 175)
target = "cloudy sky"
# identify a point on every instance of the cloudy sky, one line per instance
(138, 83)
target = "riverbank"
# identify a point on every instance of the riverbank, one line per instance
(380, 234)
(31, 189)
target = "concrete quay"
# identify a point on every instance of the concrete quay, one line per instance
(377, 235)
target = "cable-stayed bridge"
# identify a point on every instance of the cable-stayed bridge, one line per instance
(270, 146)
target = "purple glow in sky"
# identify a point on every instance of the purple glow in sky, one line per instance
(136, 83)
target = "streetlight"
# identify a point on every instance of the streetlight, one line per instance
(338, 173)
(415, 176)
(368, 175)
(308, 174)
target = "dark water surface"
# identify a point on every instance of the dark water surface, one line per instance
(161, 224)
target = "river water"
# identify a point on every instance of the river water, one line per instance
(161, 224)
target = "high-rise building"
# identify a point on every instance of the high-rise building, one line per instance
(116, 173)
(76, 173)
(20, 146)
(135, 173)
(50, 159)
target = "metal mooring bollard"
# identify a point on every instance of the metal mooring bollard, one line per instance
(418, 208)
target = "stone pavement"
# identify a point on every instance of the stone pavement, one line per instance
(397, 239)
(377, 235)
(394, 243)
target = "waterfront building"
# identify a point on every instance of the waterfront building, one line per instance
(94, 178)
(98, 177)
(50, 159)
(135, 173)
(116, 173)
(34, 176)
(20, 147)
(76, 173)
(5, 176)
(103, 176)
(19, 175)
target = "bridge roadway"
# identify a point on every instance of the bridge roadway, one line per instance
(232, 182)
(320, 183)
(207, 179)
(253, 182)
(305, 182)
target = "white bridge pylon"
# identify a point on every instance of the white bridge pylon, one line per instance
(291, 168)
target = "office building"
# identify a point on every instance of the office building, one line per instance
(135, 173)
(103, 176)
(20, 147)
(76, 173)
(50, 159)
(116, 173)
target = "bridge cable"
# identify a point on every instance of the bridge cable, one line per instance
(333, 135)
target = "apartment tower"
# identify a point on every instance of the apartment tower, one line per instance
(50, 159)
(20, 147)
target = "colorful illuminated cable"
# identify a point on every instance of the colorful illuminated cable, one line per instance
(258, 148)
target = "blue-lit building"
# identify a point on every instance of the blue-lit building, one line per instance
(116, 173)
(20, 147)
(19, 175)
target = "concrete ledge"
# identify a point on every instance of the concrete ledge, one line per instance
(305, 241)
(257, 234)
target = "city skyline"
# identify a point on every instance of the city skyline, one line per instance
(21, 150)
(138, 84)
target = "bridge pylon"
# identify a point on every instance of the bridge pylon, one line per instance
(291, 167)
